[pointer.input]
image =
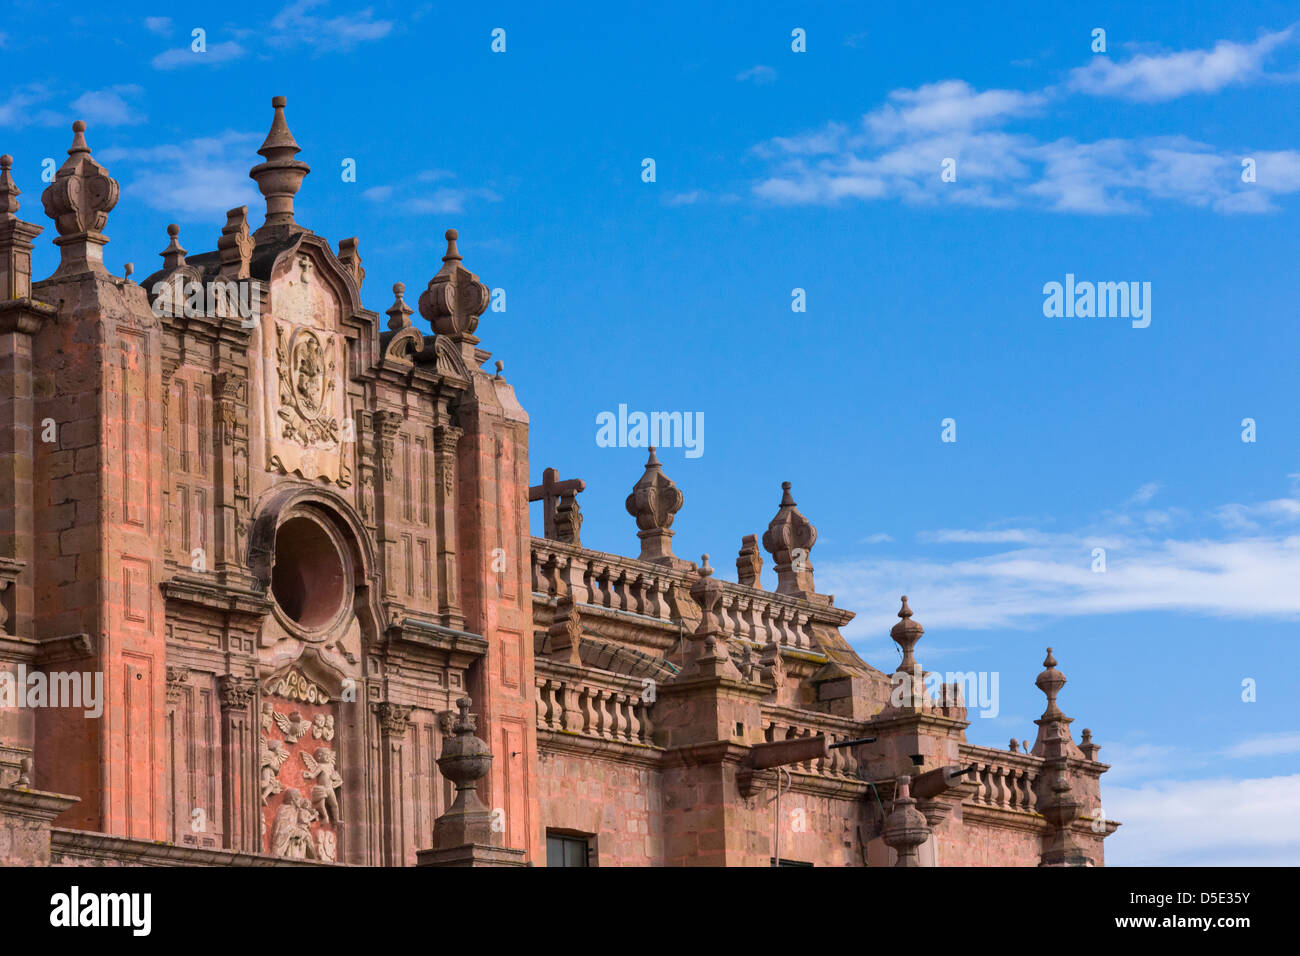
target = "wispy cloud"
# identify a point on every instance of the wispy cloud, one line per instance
(159, 25)
(1046, 576)
(901, 149)
(108, 107)
(296, 25)
(444, 200)
(1220, 822)
(1151, 78)
(214, 55)
(199, 177)
(759, 75)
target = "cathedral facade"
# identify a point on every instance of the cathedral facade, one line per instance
(268, 595)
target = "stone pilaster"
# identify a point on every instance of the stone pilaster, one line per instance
(239, 796)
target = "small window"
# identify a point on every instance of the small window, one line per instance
(565, 850)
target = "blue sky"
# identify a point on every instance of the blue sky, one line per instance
(820, 170)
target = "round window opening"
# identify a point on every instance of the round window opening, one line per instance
(309, 576)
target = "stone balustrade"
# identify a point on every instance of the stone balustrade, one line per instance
(573, 705)
(1004, 781)
(783, 723)
(624, 584)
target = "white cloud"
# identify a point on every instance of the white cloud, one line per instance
(1145, 493)
(199, 177)
(295, 25)
(897, 150)
(1218, 822)
(159, 25)
(757, 74)
(1267, 745)
(952, 105)
(108, 107)
(1247, 571)
(1149, 78)
(215, 54)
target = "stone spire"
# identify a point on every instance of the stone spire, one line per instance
(653, 502)
(1057, 801)
(15, 239)
(399, 314)
(454, 300)
(79, 201)
(280, 177)
(789, 539)
(749, 563)
(173, 256)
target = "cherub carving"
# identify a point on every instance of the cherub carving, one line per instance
(291, 837)
(325, 781)
(273, 757)
(322, 727)
(268, 710)
(293, 726)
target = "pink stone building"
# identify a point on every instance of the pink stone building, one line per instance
(287, 538)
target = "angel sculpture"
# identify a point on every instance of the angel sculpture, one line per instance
(268, 711)
(325, 781)
(322, 727)
(293, 727)
(291, 837)
(273, 757)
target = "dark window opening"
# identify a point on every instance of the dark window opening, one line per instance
(564, 850)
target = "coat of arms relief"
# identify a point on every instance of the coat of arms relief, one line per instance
(305, 403)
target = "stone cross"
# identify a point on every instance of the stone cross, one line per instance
(562, 515)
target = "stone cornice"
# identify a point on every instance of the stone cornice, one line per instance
(582, 745)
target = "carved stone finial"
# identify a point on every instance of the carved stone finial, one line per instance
(749, 563)
(789, 539)
(905, 828)
(905, 634)
(399, 313)
(350, 258)
(173, 256)
(1086, 745)
(236, 244)
(9, 192)
(26, 767)
(712, 659)
(15, 245)
(654, 500)
(500, 367)
(79, 201)
(1015, 745)
(280, 177)
(1050, 682)
(454, 300)
(465, 760)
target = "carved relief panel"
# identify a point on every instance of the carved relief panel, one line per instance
(304, 394)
